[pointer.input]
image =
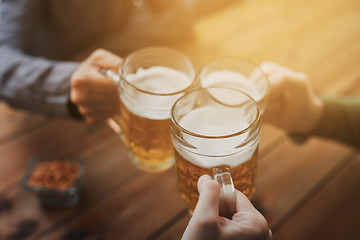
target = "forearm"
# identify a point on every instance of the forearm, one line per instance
(34, 83)
(340, 120)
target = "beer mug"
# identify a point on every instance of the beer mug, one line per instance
(239, 74)
(150, 80)
(216, 131)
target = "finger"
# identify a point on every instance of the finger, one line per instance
(94, 92)
(95, 119)
(100, 108)
(94, 98)
(269, 67)
(269, 236)
(246, 212)
(86, 74)
(105, 59)
(276, 79)
(202, 180)
(243, 203)
(208, 204)
(253, 223)
(102, 104)
(91, 111)
(92, 115)
(90, 77)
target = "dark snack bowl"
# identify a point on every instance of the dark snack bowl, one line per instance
(54, 179)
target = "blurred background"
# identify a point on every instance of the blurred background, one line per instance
(315, 37)
(308, 191)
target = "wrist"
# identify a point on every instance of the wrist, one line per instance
(316, 114)
(73, 110)
(311, 118)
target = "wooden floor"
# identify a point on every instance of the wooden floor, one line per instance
(309, 191)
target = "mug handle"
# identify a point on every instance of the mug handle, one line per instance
(111, 121)
(227, 205)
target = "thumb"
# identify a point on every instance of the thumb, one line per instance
(104, 59)
(208, 204)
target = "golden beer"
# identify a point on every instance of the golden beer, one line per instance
(150, 80)
(215, 130)
(147, 139)
(145, 103)
(244, 178)
(239, 74)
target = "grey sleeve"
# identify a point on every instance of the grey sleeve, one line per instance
(30, 82)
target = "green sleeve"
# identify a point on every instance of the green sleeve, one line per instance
(340, 120)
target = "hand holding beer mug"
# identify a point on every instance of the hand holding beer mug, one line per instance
(150, 81)
(215, 131)
(239, 74)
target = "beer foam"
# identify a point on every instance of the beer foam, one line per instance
(155, 80)
(159, 80)
(216, 122)
(227, 78)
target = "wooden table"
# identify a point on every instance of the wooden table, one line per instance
(309, 191)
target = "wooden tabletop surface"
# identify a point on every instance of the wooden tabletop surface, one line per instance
(308, 191)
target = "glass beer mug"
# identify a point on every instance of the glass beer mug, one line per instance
(239, 74)
(150, 80)
(215, 131)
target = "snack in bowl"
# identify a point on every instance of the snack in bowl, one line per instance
(54, 179)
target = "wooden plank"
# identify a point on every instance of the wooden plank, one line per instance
(286, 176)
(320, 38)
(319, 34)
(338, 75)
(15, 123)
(132, 212)
(355, 91)
(211, 30)
(333, 213)
(176, 231)
(270, 137)
(59, 137)
(289, 172)
(242, 15)
(107, 168)
(20, 215)
(293, 40)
